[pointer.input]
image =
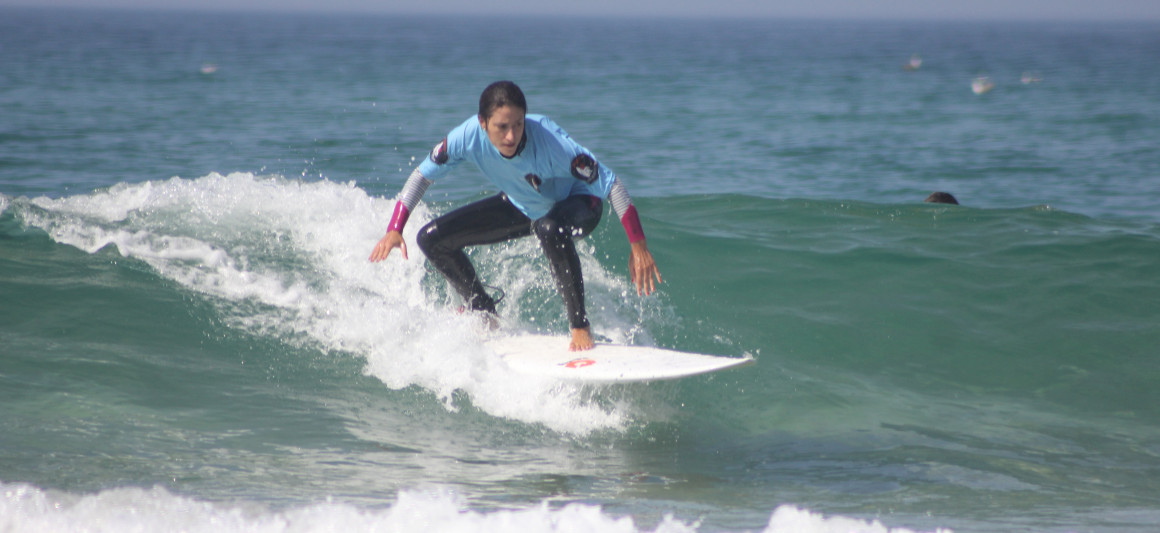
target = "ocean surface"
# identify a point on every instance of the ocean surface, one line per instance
(193, 339)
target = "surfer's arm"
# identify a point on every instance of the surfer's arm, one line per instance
(412, 192)
(641, 265)
(625, 211)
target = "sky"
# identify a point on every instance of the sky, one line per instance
(851, 9)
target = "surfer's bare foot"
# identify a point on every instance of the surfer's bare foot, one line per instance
(581, 340)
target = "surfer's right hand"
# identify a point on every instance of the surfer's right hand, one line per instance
(390, 241)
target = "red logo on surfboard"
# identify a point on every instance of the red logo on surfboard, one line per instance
(579, 363)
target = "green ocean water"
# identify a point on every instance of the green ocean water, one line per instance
(190, 327)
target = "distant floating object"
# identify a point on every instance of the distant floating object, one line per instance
(914, 64)
(982, 84)
(208, 68)
(1030, 77)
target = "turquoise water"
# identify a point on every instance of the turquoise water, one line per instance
(191, 336)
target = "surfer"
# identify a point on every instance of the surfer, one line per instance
(550, 186)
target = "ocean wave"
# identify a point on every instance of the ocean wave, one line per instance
(27, 508)
(288, 260)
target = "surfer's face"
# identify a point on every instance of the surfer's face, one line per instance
(505, 129)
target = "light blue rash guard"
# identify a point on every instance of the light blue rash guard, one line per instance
(540, 174)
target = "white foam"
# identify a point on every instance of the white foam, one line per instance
(790, 519)
(27, 508)
(300, 250)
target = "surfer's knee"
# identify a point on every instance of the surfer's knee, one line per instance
(549, 230)
(550, 233)
(546, 228)
(428, 238)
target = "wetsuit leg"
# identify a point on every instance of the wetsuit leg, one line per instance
(572, 218)
(487, 221)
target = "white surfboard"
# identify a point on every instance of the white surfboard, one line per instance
(546, 355)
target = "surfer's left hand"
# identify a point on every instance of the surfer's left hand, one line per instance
(643, 269)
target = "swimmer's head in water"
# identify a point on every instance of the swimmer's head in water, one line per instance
(939, 197)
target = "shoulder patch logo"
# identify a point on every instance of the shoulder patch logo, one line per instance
(585, 169)
(534, 181)
(439, 153)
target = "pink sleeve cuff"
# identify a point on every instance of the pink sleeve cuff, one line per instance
(631, 222)
(399, 218)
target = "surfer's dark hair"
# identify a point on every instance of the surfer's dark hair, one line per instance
(939, 197)
(500, 94)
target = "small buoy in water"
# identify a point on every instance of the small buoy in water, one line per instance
(982, 84)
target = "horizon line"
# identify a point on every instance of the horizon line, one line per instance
(788, 17)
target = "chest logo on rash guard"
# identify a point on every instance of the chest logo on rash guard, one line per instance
(534, 181)
(439, 153)
(585, 169)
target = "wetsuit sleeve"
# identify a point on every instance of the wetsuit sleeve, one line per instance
(625, 211)
(409, 197)
(443, 157)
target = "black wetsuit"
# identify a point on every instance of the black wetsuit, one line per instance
(494, 220)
